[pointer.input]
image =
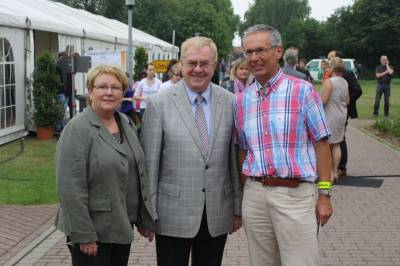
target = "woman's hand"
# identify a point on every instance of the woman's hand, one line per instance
(89, 249)
(147, 234)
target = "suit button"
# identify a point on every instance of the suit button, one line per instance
(207, 167)
(203, 190)
(145, 198)
(142, 186)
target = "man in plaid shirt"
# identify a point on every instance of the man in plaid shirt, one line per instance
(283, 150)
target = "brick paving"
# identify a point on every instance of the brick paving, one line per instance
(364, 230)
(20, 225)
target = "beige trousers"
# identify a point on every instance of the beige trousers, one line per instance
(280, 224)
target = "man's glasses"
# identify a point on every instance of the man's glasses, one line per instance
(104, 88)
(259, 51)
(201, 64)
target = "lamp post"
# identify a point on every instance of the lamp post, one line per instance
(129, 5)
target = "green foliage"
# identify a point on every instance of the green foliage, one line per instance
(141, 60)
(388, 126)
(93, 6)
(278, 14)
(45, 88)
(210, 18)
(367, 30)
(30, 178)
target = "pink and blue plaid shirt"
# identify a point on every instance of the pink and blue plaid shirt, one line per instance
(278, 128)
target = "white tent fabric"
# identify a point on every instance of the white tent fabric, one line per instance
(56, 17)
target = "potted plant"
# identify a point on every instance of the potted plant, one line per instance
(47, 111)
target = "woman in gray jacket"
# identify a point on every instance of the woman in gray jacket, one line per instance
(100, 168)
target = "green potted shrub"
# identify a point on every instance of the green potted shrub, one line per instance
(47, 111)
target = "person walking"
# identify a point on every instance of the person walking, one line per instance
(383, 74)
(187, 136)
(283, 146)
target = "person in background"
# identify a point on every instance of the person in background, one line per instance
(355, 92)
(239, 77)
(383, 74)
(302, 69)
(290, 58)
(283, 149)
(326, 71)
(176, 76)
(147, 87)
(62, 97)
(335, 97)
(127, 107)
(100, 168)
(187, 136)
(167, 75)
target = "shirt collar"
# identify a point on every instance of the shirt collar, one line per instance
(271, 84)
(193, 95)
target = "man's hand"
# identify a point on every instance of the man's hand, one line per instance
(89, 249)
(237, 223)
(323, 210)
(147, 234)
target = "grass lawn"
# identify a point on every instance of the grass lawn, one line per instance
(30, 178)
(365, 104)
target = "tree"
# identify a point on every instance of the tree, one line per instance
(278, 14)
(140, 59)
(93, 6)
(45, 88)
(210, 18)
(367, 30)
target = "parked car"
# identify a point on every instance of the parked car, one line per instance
(314, 66)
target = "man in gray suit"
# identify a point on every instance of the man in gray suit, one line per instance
(187, 136)
(291, 58)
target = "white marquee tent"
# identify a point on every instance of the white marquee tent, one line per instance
(31, 27)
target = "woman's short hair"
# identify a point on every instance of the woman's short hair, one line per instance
(235, 66)
(98, 70)
(337, 65)
(176, 68)
(199, 42)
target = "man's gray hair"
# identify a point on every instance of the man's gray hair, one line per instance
(274, 35)
(290, 57)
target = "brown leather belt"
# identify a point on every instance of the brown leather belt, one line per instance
(271, 181)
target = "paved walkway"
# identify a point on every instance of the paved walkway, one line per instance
(364, 230)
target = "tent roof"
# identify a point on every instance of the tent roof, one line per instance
(56, 17)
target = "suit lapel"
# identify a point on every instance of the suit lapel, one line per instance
(216, 113)
(181, 102)
(103, 131)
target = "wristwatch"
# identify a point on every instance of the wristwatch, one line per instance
(326, 192)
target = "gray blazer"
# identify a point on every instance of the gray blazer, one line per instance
(92, 176)
(181, 180)
(288, 70)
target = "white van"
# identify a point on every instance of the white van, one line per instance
(314, 66)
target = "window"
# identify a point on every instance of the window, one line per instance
(7, 85)
(312, 64)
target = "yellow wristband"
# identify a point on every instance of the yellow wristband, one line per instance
(324, 185)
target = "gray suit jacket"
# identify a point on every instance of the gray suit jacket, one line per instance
(288, 70)
(92, 176)
(181, 180)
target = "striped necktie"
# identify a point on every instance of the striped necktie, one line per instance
(201, 124)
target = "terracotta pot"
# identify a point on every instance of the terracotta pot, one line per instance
(44, 133)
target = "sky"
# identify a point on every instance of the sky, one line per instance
(320, 9)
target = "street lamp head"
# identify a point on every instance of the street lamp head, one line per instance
(130, 2)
